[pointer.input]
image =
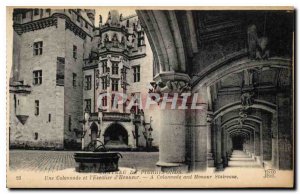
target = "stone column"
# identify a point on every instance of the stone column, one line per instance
(224, 147)
(196, 123)
(210, 159)
(172, 141)
(266, 137)
(282, 133)
(219, 161)
(256, 145)
(252, 144)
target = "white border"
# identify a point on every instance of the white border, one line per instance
(5, 3)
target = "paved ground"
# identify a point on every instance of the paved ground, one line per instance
(36, 160)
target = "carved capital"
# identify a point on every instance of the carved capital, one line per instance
(209, 117)
(171, 83)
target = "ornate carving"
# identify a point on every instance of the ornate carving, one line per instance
(257, 47)
(75, 29)
(35, 25)
(115, 41)
(243, 115)
(284, 78)
(176, 86)
(247, 99)
(106, 39)
(262, 51)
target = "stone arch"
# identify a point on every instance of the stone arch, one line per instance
(244, 128)
(258, 104)
(116, 135)
(234, 64)
(246, 134)
(165, 39)
(249, 118)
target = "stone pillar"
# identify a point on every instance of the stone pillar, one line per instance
(172, 140)
(285, 132)
(266, 137)
(219, 161)
(252, 144)
(210, 159)
(196, 123)
(229, 145)
(172, 137)
(256, 145)
(224, 148)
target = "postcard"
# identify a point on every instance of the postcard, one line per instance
(150, 97)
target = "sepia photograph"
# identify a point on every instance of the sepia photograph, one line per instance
(150, 97)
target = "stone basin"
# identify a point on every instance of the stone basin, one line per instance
(97, 161)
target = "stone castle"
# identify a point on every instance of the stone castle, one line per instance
(62, 62)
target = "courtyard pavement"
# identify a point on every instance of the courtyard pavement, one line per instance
(38, 160)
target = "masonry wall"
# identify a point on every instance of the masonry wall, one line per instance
(50, 132)
(73, 93)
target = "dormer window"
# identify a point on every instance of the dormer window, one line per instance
(36, 12)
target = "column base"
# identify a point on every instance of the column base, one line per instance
(258, 160)
(210, 160)
(167, 167)
(199, 166)
(220, 167)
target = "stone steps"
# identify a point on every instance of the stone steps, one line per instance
(242, 159)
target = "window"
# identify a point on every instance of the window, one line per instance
(74, 52)
(88, 105)
(37, 107)
(38, 48)
(86, 25)
(104, 101)
(48, 10)
(24, 15)
(42, 13)
(15, 102)
(37, 77)
(104, 66)
(88, 82)
(114, 83)
(36, 136)
(60, 71)
(74, 79)
(114, 101)
(78, 18)
(70, 123)
(36, 12)
(136, 74)
(49, 118)
(104, 83)
(115, 69)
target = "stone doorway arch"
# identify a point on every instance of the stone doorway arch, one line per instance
(116, 136)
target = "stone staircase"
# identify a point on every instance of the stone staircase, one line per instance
(241, 159)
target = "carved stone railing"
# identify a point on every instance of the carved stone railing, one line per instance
(116, 116)
(19, 88)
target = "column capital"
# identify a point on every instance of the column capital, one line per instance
(171, 82)
(209, 117)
